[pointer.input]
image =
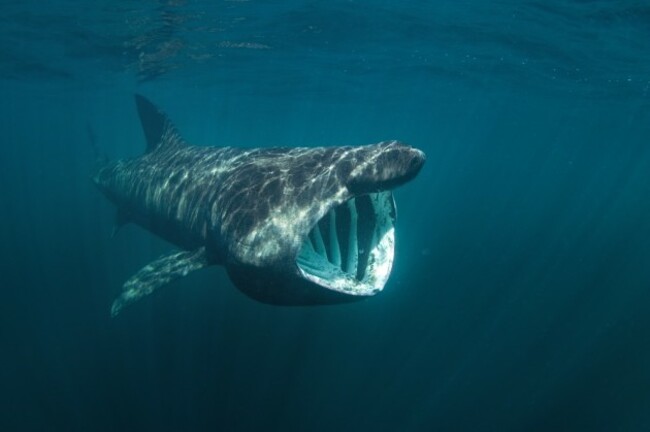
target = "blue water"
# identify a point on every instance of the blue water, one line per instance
(520, 294)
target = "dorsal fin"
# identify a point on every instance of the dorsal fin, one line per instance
(158, 129)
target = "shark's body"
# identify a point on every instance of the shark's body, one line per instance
(291, 225)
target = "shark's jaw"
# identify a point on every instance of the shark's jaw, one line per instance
(351, 249)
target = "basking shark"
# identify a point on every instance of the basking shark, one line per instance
(292, 226)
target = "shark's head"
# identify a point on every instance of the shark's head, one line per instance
(330, 237)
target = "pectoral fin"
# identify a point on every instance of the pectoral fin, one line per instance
(157, 274)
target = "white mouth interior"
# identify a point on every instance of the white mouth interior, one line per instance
(351, 249)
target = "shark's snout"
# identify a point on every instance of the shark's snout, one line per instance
(388, 165)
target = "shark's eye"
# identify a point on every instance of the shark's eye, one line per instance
(351, 248)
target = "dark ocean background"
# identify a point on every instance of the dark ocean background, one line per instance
(520, 296)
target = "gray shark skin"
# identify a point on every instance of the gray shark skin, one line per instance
(292, 226)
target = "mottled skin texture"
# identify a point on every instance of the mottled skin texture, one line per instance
(249, 208)
(255, 202)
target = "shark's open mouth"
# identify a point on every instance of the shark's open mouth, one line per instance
(351, 248)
